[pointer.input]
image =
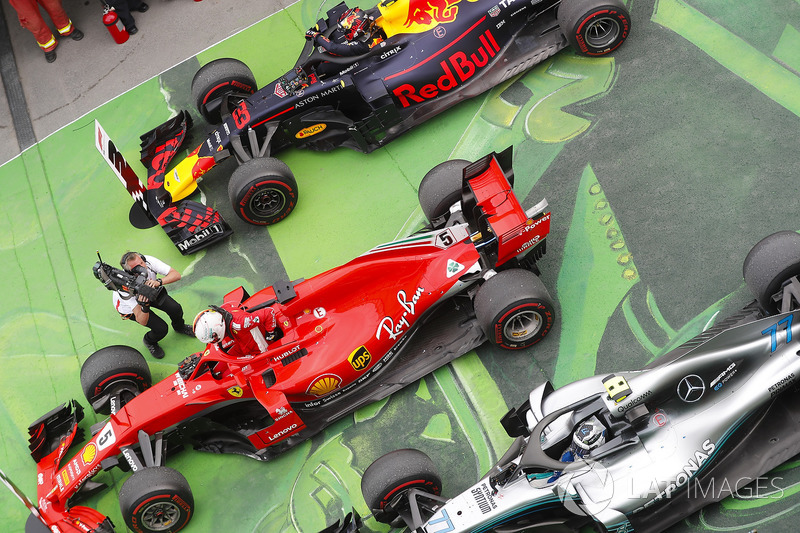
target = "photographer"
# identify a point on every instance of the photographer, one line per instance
(139, 307)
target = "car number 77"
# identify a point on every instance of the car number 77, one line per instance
(444, 521)
(773, 332)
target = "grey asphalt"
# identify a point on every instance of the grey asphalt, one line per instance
(92, 71)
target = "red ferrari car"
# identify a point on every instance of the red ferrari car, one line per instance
(348, 336)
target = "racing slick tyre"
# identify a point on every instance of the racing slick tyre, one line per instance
(514, 309)
(594, 27)
(441, 188)
(396, 473)
(114, 371)
(772, 261)
(263, 191)
(216, 79)
(156, 499)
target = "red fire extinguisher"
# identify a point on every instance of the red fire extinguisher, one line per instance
(115, 26)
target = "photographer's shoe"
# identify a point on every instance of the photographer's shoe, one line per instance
(155, 350)
(186, 329)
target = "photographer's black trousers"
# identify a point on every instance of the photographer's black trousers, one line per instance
(158, 328)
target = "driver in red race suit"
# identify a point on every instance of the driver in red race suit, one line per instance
(356, 33)
(235, 331)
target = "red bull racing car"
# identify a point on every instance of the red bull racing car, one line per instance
(435, 54)
(348, 336)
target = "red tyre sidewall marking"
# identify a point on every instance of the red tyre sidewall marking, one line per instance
(540, 308)
(100, 385)
(211, 91)
(623, 20)
(166, 496)
(150, 499)
(424, 482)
(289, 194)
(135, 512)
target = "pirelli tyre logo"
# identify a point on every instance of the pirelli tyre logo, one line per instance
(458, 68)
(360, 358)
(311, 130)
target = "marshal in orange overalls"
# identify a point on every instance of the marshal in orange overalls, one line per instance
(31, 19)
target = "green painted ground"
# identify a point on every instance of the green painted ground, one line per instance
(663, 164)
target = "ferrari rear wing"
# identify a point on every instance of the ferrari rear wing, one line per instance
(190, 225)
(504, 229)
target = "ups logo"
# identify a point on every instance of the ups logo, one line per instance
(360, 358)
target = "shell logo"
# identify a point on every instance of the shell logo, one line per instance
(324, 384)
(89, 453)
(311, 130)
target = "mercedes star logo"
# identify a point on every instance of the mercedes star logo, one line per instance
(691, 388)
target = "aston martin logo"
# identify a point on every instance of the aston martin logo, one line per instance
(691, 388)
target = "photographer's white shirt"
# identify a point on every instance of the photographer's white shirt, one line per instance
(124, 303)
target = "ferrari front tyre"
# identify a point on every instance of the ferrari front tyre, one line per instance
(395, 474)
(219, 78)
(156, 499)
(594, 27)
(514, 309)
(770, 263)
(441, 188)
(263, 191)
(114, 371)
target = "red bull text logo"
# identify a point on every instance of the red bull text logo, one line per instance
(457, 69)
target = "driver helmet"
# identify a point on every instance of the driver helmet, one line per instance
(356, 24)
(209, 326)
(589, 434)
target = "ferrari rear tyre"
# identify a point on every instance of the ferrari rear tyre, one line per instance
(219, 78)
(441, 188)
(594, 27)
(115, 371)
(396, 473)
(771, 262)
(156, 499)
(263, 191)
(514, 309)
